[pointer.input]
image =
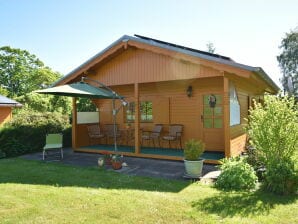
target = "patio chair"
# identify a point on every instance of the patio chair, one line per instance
(152, 135)
(175, 134)
(94, 132)
(109, 132)
(128, 136)
(53, 142)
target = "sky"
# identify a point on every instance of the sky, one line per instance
(66, 33)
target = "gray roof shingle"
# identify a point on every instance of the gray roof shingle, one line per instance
(5, 101)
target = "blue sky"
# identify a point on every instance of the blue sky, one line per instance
(65, 33)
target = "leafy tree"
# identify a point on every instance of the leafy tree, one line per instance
(288, 62)
(22, 72)
(210, 47)
(3, 91)
(45, 103)
(85, 105)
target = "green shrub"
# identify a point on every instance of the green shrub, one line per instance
(2, 154)
(236, 174)
(281, 177)
(273, 130)
(67, 136)
(193, 149)
(26, 132)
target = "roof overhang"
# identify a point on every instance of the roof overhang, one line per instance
(7, 102)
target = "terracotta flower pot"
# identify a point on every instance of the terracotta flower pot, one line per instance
(116, 165)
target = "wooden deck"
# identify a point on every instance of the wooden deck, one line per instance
(150, 152)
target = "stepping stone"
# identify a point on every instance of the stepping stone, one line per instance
(210, 177)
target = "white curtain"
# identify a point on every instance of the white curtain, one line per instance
(234, 106)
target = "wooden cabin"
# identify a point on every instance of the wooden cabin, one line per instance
(6, 106)
(209, 94)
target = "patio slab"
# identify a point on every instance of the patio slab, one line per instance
(136, 166)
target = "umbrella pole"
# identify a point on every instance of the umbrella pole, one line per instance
(114, 124)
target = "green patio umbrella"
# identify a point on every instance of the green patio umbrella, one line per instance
(85, 90)
(81, 89)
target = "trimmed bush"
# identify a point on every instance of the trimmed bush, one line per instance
(26, 132)
(281, 177)
(236, 174)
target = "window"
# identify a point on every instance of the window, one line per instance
(145, 111)
(234, 106)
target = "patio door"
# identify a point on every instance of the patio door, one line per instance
(212, 122)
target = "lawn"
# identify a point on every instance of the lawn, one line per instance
(37, 192)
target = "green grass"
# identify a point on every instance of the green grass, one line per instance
(37, 192)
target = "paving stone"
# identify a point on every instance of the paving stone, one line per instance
(136, 166)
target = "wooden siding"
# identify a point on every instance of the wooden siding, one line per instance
(238, 145)
(5, 114)
(123, 56)
(140, 66)
(170, 106)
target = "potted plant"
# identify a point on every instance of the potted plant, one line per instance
(193, 163)
(116, 162)
(107, 157)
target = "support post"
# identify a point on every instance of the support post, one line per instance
(74, 123)
(226, 108)
(114, 124)
(137, 118)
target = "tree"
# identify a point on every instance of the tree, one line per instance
(45, 103)
(22, 72)
(288, 62)
(210, 47)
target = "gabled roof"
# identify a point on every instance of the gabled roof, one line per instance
(4, 101)
(180, 49)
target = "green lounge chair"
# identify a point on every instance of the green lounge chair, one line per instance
(53, 142)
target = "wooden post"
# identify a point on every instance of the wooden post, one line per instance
(74, 122)
(226, 107)
(137, 118)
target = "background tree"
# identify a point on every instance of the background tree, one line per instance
(22, 72)
(3, 91)
(45, 103)
(210, 47)
(288, 62)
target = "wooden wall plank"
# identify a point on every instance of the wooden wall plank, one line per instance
(5, 114)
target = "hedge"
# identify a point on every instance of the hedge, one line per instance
(26, 132)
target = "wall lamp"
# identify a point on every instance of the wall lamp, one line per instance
(189, 91)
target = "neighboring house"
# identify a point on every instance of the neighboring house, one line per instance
(209, 94)
(6, 106)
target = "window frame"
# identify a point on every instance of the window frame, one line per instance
(144, 112)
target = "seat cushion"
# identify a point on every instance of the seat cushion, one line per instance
(169, 138)
(52, 146)
(147, 137)
(96, 135)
